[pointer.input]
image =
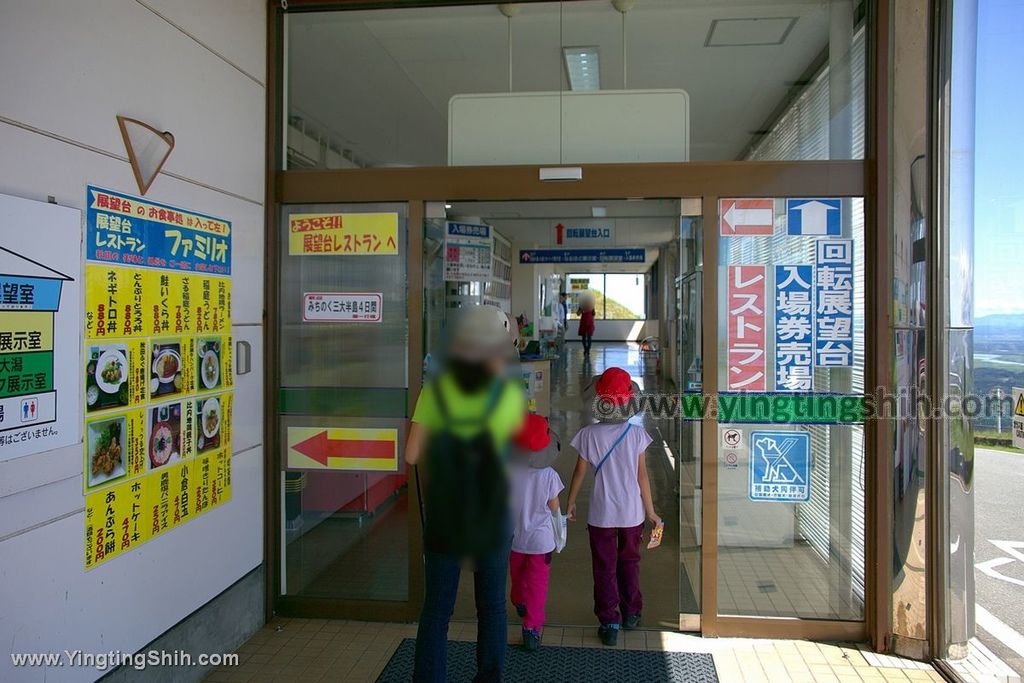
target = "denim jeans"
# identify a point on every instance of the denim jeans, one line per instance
(490, 573)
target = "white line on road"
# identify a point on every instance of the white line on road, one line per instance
(1002, 632)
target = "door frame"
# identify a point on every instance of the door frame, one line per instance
(416, 186)
(868, 178)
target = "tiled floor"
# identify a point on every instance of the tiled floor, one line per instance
(319, 650)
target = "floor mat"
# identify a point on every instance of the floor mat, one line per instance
(568, 664)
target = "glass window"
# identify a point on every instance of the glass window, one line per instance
(617, 296)
(575, 82)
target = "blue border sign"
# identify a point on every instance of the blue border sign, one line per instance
(537, 256)
(780, 467)
(814, 217)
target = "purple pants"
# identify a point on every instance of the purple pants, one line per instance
(615, 555)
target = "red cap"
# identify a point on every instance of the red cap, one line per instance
(534, 435)
(614, 385)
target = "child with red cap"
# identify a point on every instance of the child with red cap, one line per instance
(614, 447)
(534, 493)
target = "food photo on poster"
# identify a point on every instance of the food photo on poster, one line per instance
(166, 369)
(164, 435)
(208, 351)
(107, 377)
(105, 440)
(209, 412)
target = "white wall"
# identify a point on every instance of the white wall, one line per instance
(195, 68)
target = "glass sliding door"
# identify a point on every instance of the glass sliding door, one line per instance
(343, 370)
(790, 374)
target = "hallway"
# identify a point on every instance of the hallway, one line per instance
(570, 600)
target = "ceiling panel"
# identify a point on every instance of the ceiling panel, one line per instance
(381, 80)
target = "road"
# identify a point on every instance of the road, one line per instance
(999, 517)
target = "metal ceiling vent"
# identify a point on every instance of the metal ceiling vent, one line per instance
(749, 32)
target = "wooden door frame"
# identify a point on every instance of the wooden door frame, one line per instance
(868, 178)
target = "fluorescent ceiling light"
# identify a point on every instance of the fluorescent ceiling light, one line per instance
(599, 211)
(583, 66)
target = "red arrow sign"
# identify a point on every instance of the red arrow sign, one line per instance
(746, 216)
(559, 229)
(319, 447)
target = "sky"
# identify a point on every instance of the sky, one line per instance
(999, 159)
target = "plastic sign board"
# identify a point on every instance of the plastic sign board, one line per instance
(569, 256)
(593, 234)
(136, 232)
(1017, 426)
(157, 373)
(342, 307)
(814, 217)
(833, 297)
(342, 448)
(780, 467)
(343, 234)
(746, 217)
(40, 322)
(746, 302)
(467, 249)
(794, 328)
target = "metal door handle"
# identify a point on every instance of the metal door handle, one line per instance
(243, 356)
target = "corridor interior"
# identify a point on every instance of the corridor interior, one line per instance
(347, 533)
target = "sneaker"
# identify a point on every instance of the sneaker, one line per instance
(521, 610)
(531, 639)
(609, 634)
(631, 622)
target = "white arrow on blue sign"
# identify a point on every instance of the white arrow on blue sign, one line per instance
(814, 217)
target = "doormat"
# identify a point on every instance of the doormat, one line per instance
(568, 664)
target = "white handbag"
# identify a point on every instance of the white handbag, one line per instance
(560, 523)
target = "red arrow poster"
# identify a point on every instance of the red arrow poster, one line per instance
(343, 448)
(746, 217)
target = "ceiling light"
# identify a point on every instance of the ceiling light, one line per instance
(583, 67)
(447, 206)
(599, 211)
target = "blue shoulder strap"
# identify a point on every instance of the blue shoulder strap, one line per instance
(622, 436)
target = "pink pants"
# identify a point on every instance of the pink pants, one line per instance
(530, 575)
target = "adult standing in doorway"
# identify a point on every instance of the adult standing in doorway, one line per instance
(586, 328)
(563, 310)
(460, 430)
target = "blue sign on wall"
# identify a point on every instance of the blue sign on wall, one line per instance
(794, 328)
(131, 231)
(833, 303)
(814, 217)
(780, 467)
(536, 256)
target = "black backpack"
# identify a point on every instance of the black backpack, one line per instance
(467, 490)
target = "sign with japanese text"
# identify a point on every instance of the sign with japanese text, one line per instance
(343, 448)
(746, 217)
(139, 232)
(833, 297)
(343, 307)
(746, 302)
(794, 328)
(467, 252)
(158, 370)
(343, 234)
(40, 318)
(595, 233)
(541, 256)
(780, 467)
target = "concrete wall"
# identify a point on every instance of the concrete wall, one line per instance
(195, 68)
